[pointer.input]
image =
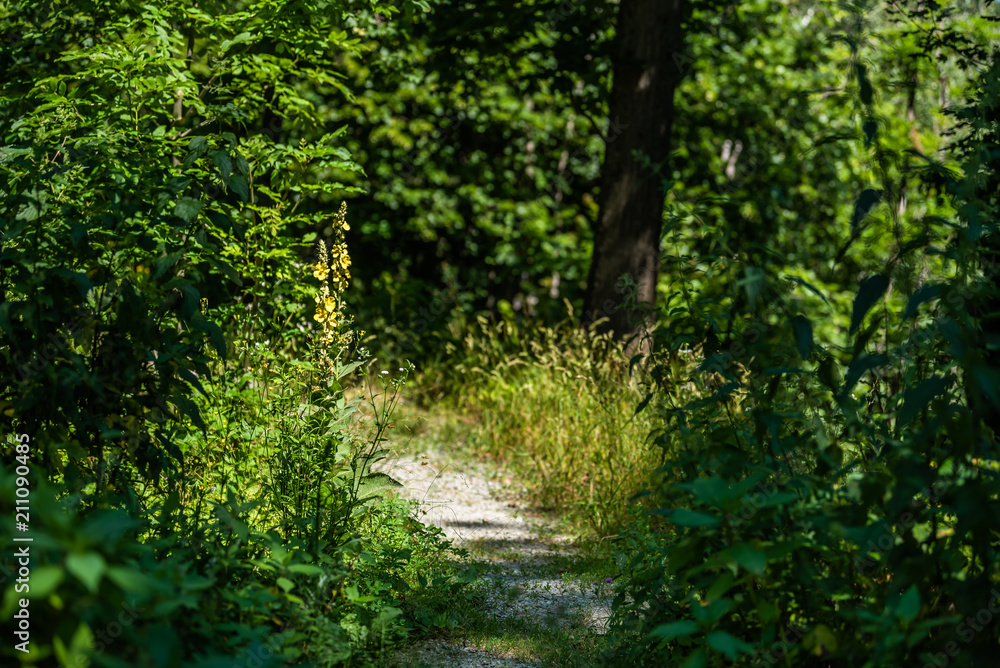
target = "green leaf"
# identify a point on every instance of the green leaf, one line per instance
(909, 605)
(44, 580)
(224, 164)
(808, 286)
(198, 145)
(131, 579)
(698, 659)
(241, 164)
(689, 518)
(916, 399)
(988, 381)
(215, 334)
(923, 294)
(188, 408)
(820, 640)
(707, 615)
(865, 90)
(862, 207)
(643, 403)
(870, 292)
(749, 557)
(239, 186)
(187, 208)
(286, 584)
(226, 270)
(80, 644)
(723, 584)
(803, 335)
(88, 568)
(858, 368)
(727, 645)
(672, 630)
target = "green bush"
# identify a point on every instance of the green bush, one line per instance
(173, 589)
(164, 171)
(832, 499)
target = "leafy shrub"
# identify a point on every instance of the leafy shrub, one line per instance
(162, 183)
(832, 501)
(173, 589)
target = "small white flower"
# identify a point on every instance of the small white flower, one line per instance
(401, 368)
(384, 373)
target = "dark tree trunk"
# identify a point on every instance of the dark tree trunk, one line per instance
(647, 69)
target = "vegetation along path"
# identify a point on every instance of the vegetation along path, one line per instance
(541, 601)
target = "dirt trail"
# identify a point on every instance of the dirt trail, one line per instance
(477, 507)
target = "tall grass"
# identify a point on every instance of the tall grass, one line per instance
(556, 405)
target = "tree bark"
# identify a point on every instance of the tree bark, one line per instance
(647, 69)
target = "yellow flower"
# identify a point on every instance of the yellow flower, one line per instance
(330, 304)
(320, 271)
(340, 219)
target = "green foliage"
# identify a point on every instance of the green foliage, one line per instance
(168, 590)
(554, 404)
(830, 489)
(478, 132)
(162, 170)
(143, 170)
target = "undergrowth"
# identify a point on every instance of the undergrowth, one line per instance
(556, 405)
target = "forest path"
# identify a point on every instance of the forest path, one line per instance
(543, 601)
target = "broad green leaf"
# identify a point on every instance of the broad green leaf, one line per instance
(916, 399)
(131, 579)
(44, 580)
(859, 367)
(727, 645)
(862, 207)
(872, 290)
(709, 614)
(923, 294)
(697, 659)
(689, 518)
(239, 186)
(749, 557)
(224, 164)
(75, 654)
(88, 568)
(187, 208)
(820, 640)
(909, 605)
(671, 630)
(803, 335)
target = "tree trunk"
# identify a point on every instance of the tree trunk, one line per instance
(648, 54)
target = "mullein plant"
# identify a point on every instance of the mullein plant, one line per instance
(333, 269)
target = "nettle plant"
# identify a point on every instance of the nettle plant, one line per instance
(152, 156)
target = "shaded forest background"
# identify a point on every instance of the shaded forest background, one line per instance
(793, 461)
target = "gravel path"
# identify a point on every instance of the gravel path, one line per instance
(478, 509)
